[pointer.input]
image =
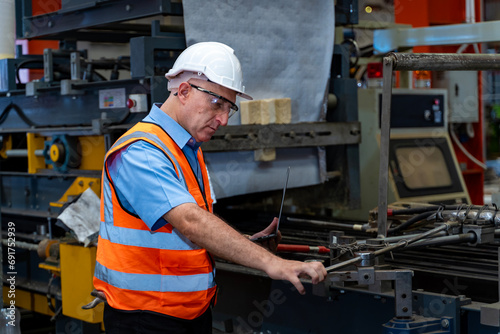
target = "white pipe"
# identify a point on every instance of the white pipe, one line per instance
(7, 28)
(470, 11)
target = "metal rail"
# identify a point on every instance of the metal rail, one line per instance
(257, 136)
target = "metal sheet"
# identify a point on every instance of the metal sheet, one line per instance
(285, 49)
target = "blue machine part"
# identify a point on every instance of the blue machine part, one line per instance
(418, 324)
(62, 152)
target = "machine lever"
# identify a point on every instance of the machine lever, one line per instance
(100, 297)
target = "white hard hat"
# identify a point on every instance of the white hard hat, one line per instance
(208, 60)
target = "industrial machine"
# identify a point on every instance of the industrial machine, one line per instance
(423, 166)
(430, 267)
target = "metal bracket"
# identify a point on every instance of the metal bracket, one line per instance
(254, 136)
(369, 275)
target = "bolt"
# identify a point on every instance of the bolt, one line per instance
(366, 276)
(50, 24)
(405, 309)
(445, 323)
(128, 8)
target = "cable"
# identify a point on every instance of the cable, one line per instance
(19, 111)
(49, 297)
(21, 64)
(413, 210)
(479, 213)
(410, 222)
(464, 150)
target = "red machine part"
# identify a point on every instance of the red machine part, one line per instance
(303, 249)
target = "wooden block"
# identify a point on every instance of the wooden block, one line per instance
(250, 112)
(266, 111)
(264, 154)
(283, 110)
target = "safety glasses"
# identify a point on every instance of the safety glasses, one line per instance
(217, 99)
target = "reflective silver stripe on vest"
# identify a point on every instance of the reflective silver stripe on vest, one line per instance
(145, 238)
(151, 282)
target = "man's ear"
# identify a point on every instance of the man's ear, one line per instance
(183, 90)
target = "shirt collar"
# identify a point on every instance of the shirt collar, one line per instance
(180, 136)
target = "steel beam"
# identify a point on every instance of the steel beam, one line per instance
(386, 40)
(385, 133)
(443, 61)
(254, 136)
(104, 12)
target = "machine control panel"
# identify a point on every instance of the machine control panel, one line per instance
(416, 110)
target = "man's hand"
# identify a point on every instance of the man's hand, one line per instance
(271, 243)
(209, 232)
(292, 270)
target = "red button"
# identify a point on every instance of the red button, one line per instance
(131, 103)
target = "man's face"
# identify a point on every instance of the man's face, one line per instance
(204, 113)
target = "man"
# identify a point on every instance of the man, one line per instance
(157, 234)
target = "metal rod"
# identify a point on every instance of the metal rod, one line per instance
(444, 61)
(447, 240)
(343, 264)
(400, 237)
(320, 223)
(22, 245)
(401, 244)
(21, 153)
(404, 243)
(385, 132)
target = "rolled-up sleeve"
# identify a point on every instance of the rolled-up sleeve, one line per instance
(146, 182)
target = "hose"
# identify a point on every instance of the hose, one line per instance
(410, 222)
(19, 111)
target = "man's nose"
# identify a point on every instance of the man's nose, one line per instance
(223, 118)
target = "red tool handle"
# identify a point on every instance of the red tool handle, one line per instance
(303, 249)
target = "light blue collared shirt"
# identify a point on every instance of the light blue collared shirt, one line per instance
(145, 180)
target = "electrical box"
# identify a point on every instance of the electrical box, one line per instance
(463, 102)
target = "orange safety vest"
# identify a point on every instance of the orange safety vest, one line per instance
(159, 271)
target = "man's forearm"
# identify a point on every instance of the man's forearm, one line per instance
(208, 231)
